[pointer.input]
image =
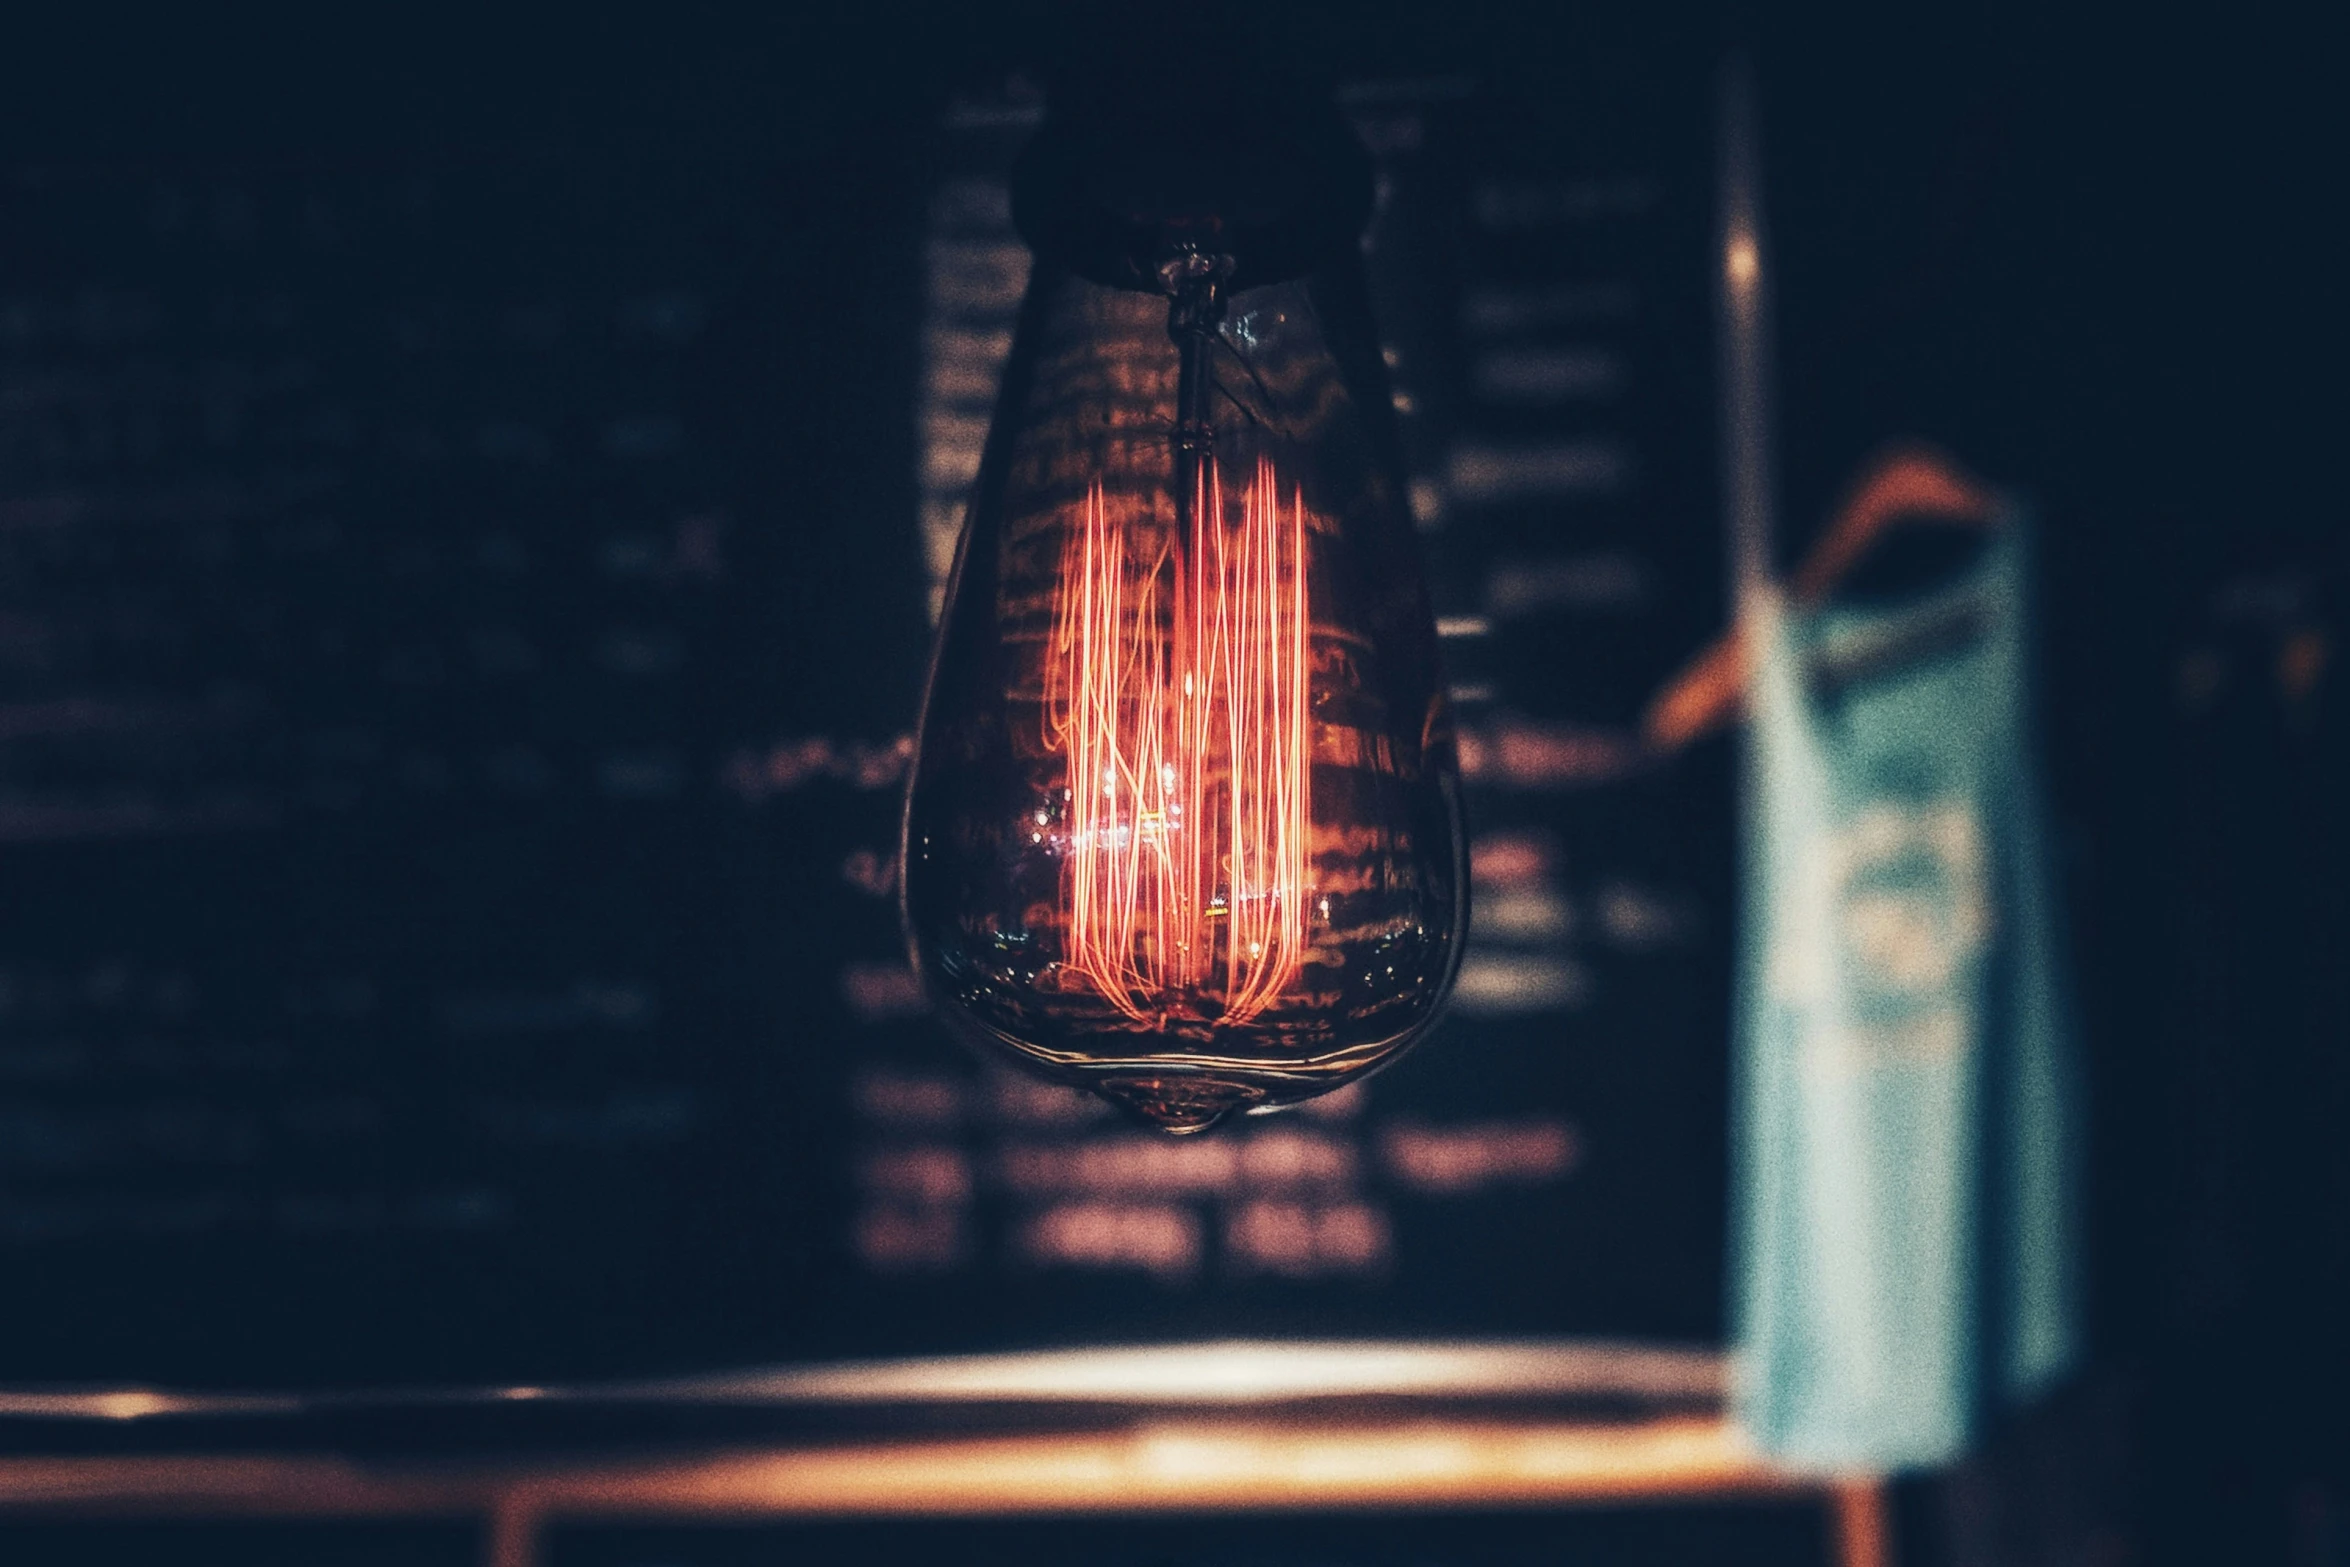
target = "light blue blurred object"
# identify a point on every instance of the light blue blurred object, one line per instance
(1905, 1224)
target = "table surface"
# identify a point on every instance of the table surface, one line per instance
(1201, 1429)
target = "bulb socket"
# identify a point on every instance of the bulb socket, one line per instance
(1115, 193)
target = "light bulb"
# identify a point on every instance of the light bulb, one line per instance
(1184, 822)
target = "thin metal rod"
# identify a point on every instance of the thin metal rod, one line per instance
(1194, 282)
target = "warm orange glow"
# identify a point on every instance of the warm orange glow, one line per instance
(1744, 261)
(1178, 689)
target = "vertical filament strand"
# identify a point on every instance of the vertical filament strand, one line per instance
(1178, 689)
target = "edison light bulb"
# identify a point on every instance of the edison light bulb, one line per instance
(1184, 824)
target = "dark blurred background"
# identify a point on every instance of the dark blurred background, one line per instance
(2082, 258)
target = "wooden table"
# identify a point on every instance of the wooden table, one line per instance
(1178, 1464)
(1198, 1429)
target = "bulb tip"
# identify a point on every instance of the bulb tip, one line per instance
(1179, 1104)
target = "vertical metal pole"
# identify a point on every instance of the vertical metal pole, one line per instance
(1864, 1529)
(1747, 476)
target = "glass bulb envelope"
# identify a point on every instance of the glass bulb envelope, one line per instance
(1184, 824)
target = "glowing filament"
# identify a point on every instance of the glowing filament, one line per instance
(1178, 689)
